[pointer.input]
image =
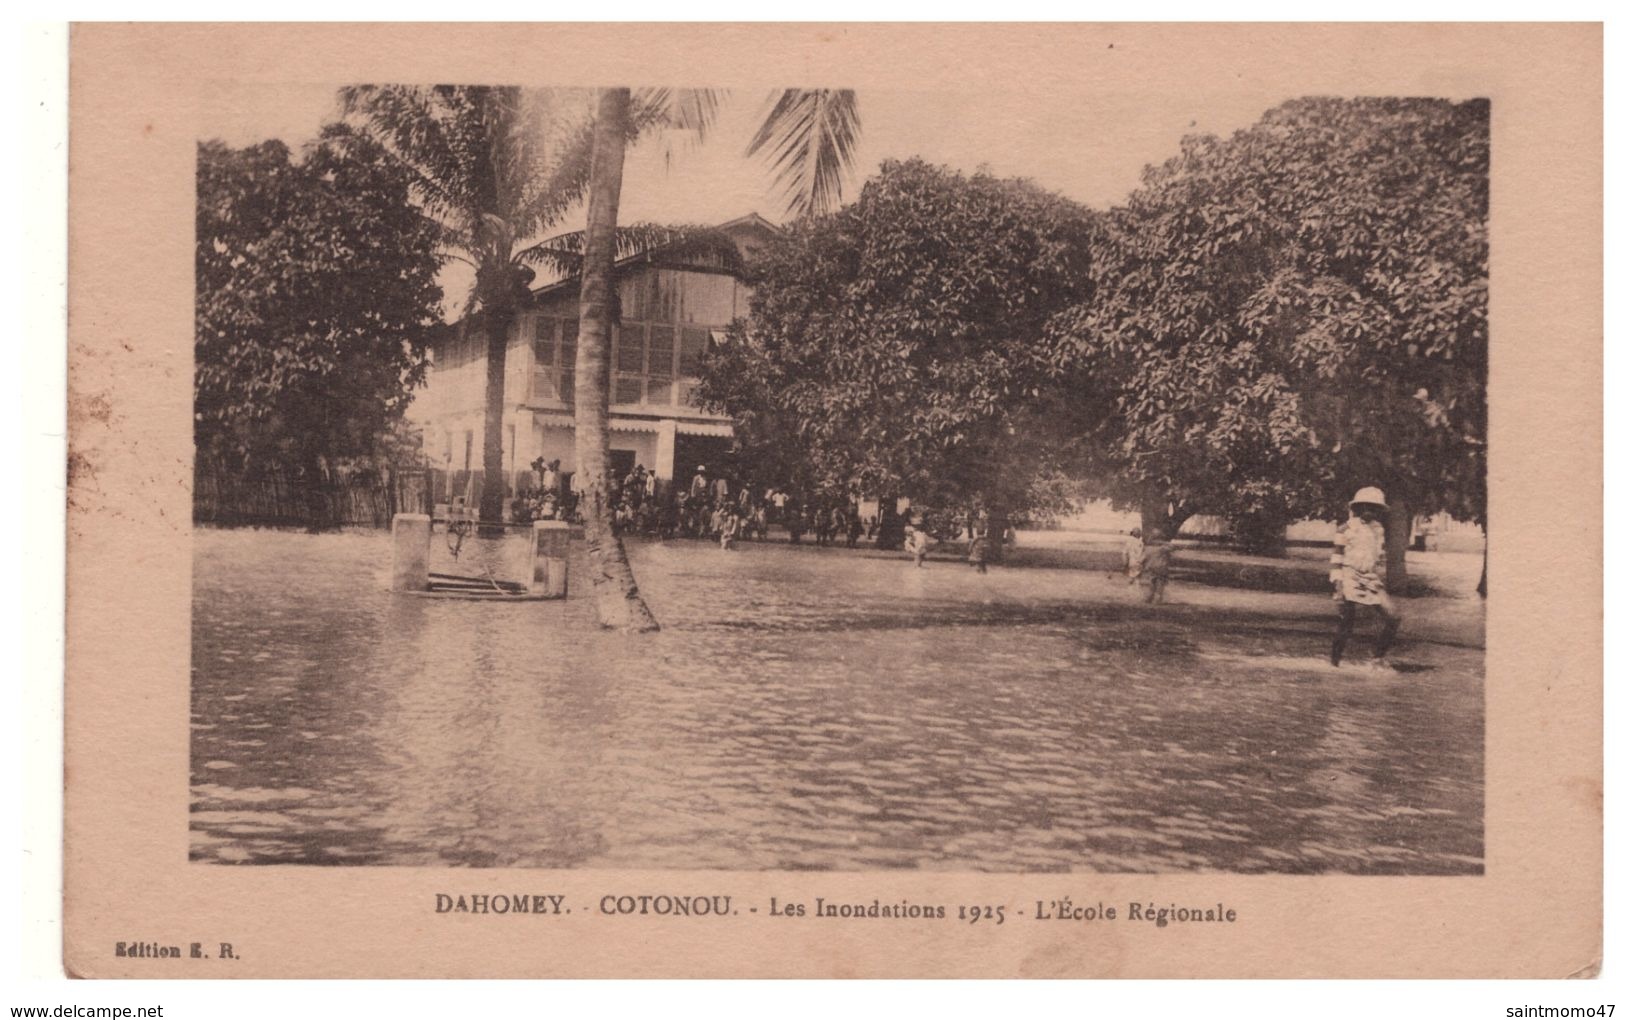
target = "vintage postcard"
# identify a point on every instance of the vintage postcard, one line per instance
(834, 501)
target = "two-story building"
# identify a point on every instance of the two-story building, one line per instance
(672, 308)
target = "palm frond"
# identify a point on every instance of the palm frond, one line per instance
(678, 109)
(809, 138)
(494, 164)
(560, 186)
(414, 124)
(681, 117)
(562, 253)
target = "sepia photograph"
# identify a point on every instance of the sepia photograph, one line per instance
(1116, 508)
(583, 514)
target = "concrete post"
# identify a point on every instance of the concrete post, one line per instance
(410, 533)
(550, 559)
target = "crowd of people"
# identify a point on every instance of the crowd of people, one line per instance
(728, 511)
(725, 511)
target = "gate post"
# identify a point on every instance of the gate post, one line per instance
(410, 534)
(550, 559)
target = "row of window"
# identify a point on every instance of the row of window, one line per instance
(653, 364)
(547, 384)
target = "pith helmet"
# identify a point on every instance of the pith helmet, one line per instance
(1370, 494)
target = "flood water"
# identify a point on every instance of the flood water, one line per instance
(809, 709)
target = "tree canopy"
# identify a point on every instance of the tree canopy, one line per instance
(316, 300)
(898, 345)
(1283, 316)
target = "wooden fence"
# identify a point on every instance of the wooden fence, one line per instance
(277, 500)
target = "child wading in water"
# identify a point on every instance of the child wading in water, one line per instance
(1133, 556)
(1359, 572)
(917, 542)
(854, 527)
(728, 530)
(1158, 558)
(976, 555)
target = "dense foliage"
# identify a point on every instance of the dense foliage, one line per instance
(898, 345)
(1286, 315)
(316, 301)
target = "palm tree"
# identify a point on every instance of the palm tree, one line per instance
(496, 165)
(808, 136)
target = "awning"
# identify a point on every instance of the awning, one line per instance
(722, 429)
(696, 428)
(632, 425)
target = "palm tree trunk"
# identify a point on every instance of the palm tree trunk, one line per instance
(619, 604)
(493, 490)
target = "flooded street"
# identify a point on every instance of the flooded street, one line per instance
(812, 709)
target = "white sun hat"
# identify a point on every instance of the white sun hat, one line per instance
(1370, 494)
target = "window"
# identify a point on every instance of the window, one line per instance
(628, 389)
(544, 384)
(567, 344)
(543, 346)
(554, 346)
(695, 342)
(544, 349)
(629, 348)
(662, 340)
(662, 355)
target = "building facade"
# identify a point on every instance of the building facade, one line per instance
(671, 311)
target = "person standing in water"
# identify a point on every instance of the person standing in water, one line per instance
(917, 540)
(1156, 563)
(1359, 572)
(1133, 556)
(976, 554)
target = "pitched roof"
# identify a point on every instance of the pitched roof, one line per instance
(749, 221)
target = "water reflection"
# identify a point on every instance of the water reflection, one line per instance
(805, 710)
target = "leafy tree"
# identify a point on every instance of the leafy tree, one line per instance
(809, 136)
(899, 344)
(496, 166)
(316, 301)
(1286, 315)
